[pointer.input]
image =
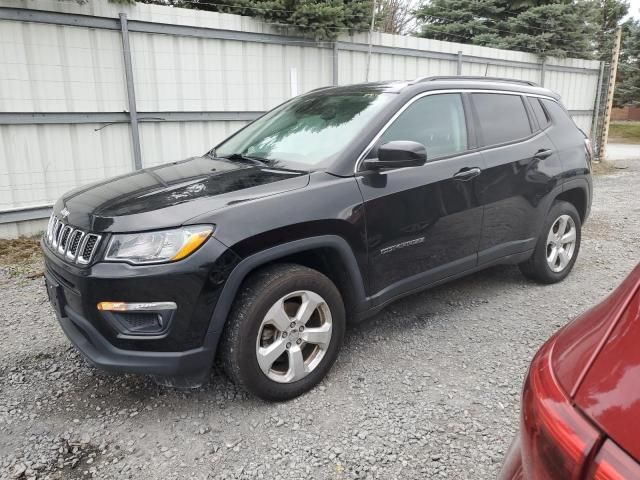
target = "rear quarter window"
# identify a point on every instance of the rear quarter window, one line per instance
(539, 112)
(558, 113)
(502, 118)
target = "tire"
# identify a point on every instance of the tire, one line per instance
(250, 332)
(542, 267)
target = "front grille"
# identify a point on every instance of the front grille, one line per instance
(75, 245)
(89, 247)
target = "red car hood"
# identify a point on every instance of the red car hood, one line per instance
(596, 359)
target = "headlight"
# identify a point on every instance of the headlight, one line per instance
(157, 247)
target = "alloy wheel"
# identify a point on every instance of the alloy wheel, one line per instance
(294, 336)
(561, 243)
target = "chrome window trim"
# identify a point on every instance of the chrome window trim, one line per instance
(413, 99)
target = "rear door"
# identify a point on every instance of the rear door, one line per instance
(521, 168)
(424, 223)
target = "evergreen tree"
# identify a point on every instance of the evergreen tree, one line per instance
(562, 29)
(628, 75)
(546, 27)
(607, 16)
(323, 20)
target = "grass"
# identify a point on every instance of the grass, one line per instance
(21, 257)
(624, 132)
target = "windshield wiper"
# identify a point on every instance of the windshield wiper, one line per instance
(247, 158)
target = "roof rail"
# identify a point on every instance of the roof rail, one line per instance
(474, 78)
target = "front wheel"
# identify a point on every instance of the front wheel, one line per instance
(284, 332)
(557, 247)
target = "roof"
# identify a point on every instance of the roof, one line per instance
(446, 83)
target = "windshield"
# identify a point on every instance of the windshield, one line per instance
(308, 131)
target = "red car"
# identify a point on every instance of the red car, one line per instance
(581, 398)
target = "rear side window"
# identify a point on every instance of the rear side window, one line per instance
(559, 114)
(503, 118)
(539, 112)
(436, 121)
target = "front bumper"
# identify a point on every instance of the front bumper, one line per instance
(194, 364)
(184, 353)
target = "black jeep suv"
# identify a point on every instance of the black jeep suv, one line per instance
(322, 211)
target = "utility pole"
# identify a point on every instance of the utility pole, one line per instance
(373, 21)
(610, 91)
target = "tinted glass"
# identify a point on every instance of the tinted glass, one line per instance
(436, 121)
(538, 111)
(559, 114)
(307, 131)
(503, 118)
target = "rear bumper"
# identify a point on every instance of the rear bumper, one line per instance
(102, 354)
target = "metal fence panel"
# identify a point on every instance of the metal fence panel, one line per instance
(198, 76)
(164, 142)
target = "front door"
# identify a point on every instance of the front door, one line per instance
(423, 223)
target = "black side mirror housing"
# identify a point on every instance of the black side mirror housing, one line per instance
(398, 154)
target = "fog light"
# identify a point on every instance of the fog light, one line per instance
(148, 319)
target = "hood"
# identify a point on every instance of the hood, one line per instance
(597, 360)
(169, 195)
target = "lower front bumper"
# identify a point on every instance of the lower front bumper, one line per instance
(189, 368)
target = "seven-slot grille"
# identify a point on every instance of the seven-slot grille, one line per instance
(73, 244)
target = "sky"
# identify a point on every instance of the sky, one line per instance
(634, 8)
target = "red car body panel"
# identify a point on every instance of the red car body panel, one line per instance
(595, 362)
(610, 391)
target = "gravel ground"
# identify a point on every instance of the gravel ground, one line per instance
(429, 388)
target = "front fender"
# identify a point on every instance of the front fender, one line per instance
(250, 263)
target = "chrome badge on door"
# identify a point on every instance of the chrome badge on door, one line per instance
(398, 246)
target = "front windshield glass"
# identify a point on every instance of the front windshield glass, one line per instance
(308, 131)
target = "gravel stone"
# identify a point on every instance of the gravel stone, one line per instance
(429, 388)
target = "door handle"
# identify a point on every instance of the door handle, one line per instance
(467, 174)
(542, 154)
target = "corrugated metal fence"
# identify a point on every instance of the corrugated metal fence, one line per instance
(96, 90)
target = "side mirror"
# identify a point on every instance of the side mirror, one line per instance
(398, 154)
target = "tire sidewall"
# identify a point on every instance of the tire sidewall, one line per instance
(251, 374)
(558, 209)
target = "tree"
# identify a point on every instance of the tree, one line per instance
(459, 20)
(546, 27)
(394, 16)
(561, 29)
(607, 16)
(324, 20)
(628, 77)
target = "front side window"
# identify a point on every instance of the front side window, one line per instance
(308, 131)
(503, 118)
(435, 121)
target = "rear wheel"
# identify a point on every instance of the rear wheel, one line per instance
(557, 247)
(284, 332)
